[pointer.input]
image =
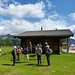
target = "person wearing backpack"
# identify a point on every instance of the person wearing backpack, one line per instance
(48, 54)
(39, 53)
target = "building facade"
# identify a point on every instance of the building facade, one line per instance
(55, 39)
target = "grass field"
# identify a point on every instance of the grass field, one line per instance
(63, 64)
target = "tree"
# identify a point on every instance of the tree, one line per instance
(2, 42)
(9, 42)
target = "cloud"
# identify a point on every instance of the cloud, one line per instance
(16, 26)
(49, 4)
(1, 30)
(22, 11)
(72, 15)
(5, 3)
(72, 28)
(2, 3)
(49, 24)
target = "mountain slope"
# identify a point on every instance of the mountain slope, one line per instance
(15, 41)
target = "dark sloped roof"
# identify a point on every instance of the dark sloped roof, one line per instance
(65, 32)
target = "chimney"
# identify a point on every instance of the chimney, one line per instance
(56, 29)
(41, 28)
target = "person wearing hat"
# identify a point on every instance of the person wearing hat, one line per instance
(39, 53)
(14, 55)
(48, 53)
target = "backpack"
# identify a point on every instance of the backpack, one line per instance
(13, 52)
(49, 51)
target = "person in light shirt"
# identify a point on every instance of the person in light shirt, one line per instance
(39, 53)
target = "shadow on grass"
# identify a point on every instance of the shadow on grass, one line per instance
(5, 54)
(19, 62)
(12, 64)
(7, 64)
(34, 65)
(32, 59)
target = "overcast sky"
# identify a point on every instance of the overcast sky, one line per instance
(17, 16)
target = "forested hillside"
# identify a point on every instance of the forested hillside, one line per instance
(8, 40)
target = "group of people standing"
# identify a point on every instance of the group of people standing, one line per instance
(25, 50)
(48, 52)
(38, 51)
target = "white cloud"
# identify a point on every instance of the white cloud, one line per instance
(72, 15)
(21, 11)
(49, 4)
(49, 24)
(1, 30)
(2, 3)
(14, 2)
(16, 26)
(72, 28)
(55, 16)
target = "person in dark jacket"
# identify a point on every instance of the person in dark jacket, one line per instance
(14, 55)
(0, 51)
(48, 53)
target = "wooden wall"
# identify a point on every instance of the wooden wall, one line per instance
(53, 42)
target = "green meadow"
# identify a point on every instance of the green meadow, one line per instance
(63, 64)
